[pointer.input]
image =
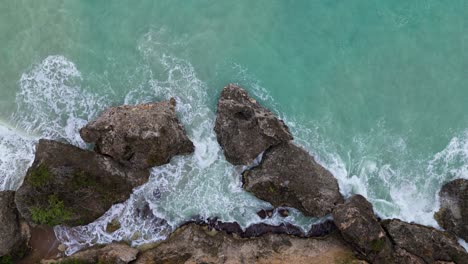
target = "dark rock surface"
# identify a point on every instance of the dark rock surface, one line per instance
(244, 128)
(196, 244)
(255, 230)
(71, 186)
(453, 212)
(142, 136)
(427, 243)
(360, 228)
(14, 234)
(289, 176)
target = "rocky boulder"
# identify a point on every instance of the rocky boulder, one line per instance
(71, 186)
(427, 243)
(196, 244)
(244, 128)
(142, 136)
(289, 176)
(14, 233)
(361, 229)
(453, 212)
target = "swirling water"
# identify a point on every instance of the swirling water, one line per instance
(374, 90)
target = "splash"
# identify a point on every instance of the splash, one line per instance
(51, 102)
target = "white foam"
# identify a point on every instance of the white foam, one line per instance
(16, 155)
(51, 102)
(463, 243)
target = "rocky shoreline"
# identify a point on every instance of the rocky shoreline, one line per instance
(70, 186)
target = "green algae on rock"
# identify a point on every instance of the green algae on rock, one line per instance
(70, 186)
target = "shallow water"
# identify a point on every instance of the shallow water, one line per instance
(375, 90)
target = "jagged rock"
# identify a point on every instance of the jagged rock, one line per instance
(255, 230)
(360, 228)
(195, 244)
(289, 176)
(453, 212)
(14, 233)
(142, 136)
(244, 128)
(427, 243)
(113, 253)
(71, 186)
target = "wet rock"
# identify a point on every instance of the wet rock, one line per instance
(70, 186)
(427, 243)
(289, 176)
(453, 212)
(255, 230)
(357, 223)
(196, 244)
(142, 136)
(244, 128)
(14, 233)
(283, 212)
(113, 253)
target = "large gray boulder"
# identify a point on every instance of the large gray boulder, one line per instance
(14, 234)
(141, 136)
(244, 128)
(361, 229)
(289, 176)
(427, 243)
(453, 212)
(71, 186)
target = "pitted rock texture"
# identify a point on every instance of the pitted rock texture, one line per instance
(427, 243)
(141, 136)
(14, 234)
(244, 128)
(453, 212)
(360, 228)
(289, 176)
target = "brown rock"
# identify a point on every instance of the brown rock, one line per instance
(14, 234)
(244, 128)
(113, 253)
(142, 136)
(195, 244)
(453, 212)
(71, 186)
(360, 228)
(427, 243)
(289, 176)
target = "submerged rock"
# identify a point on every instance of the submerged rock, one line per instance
(289, 176)
(427, 243)
(71, 186)
(196, 244)
(244, 128)
(360, 228)
(142, 136)
(115, 253)
(14, 233)
(453, 212)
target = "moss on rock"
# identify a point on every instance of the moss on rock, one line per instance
(54, 214)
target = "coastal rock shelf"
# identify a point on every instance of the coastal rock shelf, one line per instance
(70, 186)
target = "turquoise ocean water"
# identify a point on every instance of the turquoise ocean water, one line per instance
(376, 90)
